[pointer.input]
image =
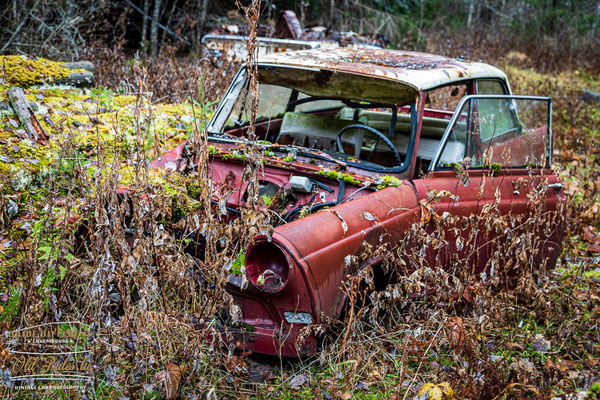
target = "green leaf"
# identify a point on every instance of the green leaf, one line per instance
(62, 272)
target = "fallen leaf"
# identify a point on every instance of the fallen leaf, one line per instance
(297, 381)
(455, 331)
(540, 345)
(514, 346)
(443, 391)
(517, 390)
(13, 123)
(592, 238)
(524, 365)
(21, 133)
(344, 225)
(49, 121)
(369, 216)
(170, 378)
(565, 365)
(96, 121)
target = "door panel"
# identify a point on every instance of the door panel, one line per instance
(488, 186)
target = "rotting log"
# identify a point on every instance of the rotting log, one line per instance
(78, 79)
(87, 65)
(590, 97)
(32, 126)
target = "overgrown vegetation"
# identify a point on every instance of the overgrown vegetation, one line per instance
(74, 244)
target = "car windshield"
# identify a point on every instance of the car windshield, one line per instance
(362, 120)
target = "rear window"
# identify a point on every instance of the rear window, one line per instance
(446, 98)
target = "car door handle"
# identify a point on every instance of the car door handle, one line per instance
(557, 186)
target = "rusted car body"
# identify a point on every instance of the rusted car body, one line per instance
(233, 47)
(230, 40)
(358, 138)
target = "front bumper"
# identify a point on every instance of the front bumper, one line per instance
(262, 328)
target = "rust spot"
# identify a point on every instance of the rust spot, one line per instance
(403, 66)
(408, 62)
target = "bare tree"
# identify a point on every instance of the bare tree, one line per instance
(145, 22)
(470, 17)
(203, 6)
(154, 29)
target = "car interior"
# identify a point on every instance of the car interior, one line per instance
(375, 135)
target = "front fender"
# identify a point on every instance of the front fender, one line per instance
(320, 243)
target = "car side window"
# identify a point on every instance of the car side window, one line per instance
(509, 131)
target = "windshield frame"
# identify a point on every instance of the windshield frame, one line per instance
(221, 115)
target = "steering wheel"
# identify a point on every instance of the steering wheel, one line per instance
(374, 131)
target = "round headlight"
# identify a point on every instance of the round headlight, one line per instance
(267, 267)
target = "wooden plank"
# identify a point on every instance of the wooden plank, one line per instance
(32, 126)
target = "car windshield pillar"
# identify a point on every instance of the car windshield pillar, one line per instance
(218, 120)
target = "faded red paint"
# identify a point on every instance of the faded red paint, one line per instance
(319, 263)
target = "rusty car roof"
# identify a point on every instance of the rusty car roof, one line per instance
(421, 70)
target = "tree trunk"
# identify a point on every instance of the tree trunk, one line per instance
(470, 16)
(78, 79)
(154, 29)
(169, 18)
(145, 22)
(331, 13)
(202, 7)
(203, 10)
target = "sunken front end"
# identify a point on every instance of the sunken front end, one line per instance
(275, 307)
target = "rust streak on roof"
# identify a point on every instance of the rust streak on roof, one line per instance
(420, 70)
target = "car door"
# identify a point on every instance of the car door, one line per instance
(490, 177)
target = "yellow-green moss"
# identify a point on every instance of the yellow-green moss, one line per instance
(58, 93)
(123, 100)
(115, 132)
(387, 180)
(24, 72)
(338, 175)
(22, 173)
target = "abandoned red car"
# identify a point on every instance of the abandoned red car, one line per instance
(353, 141)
